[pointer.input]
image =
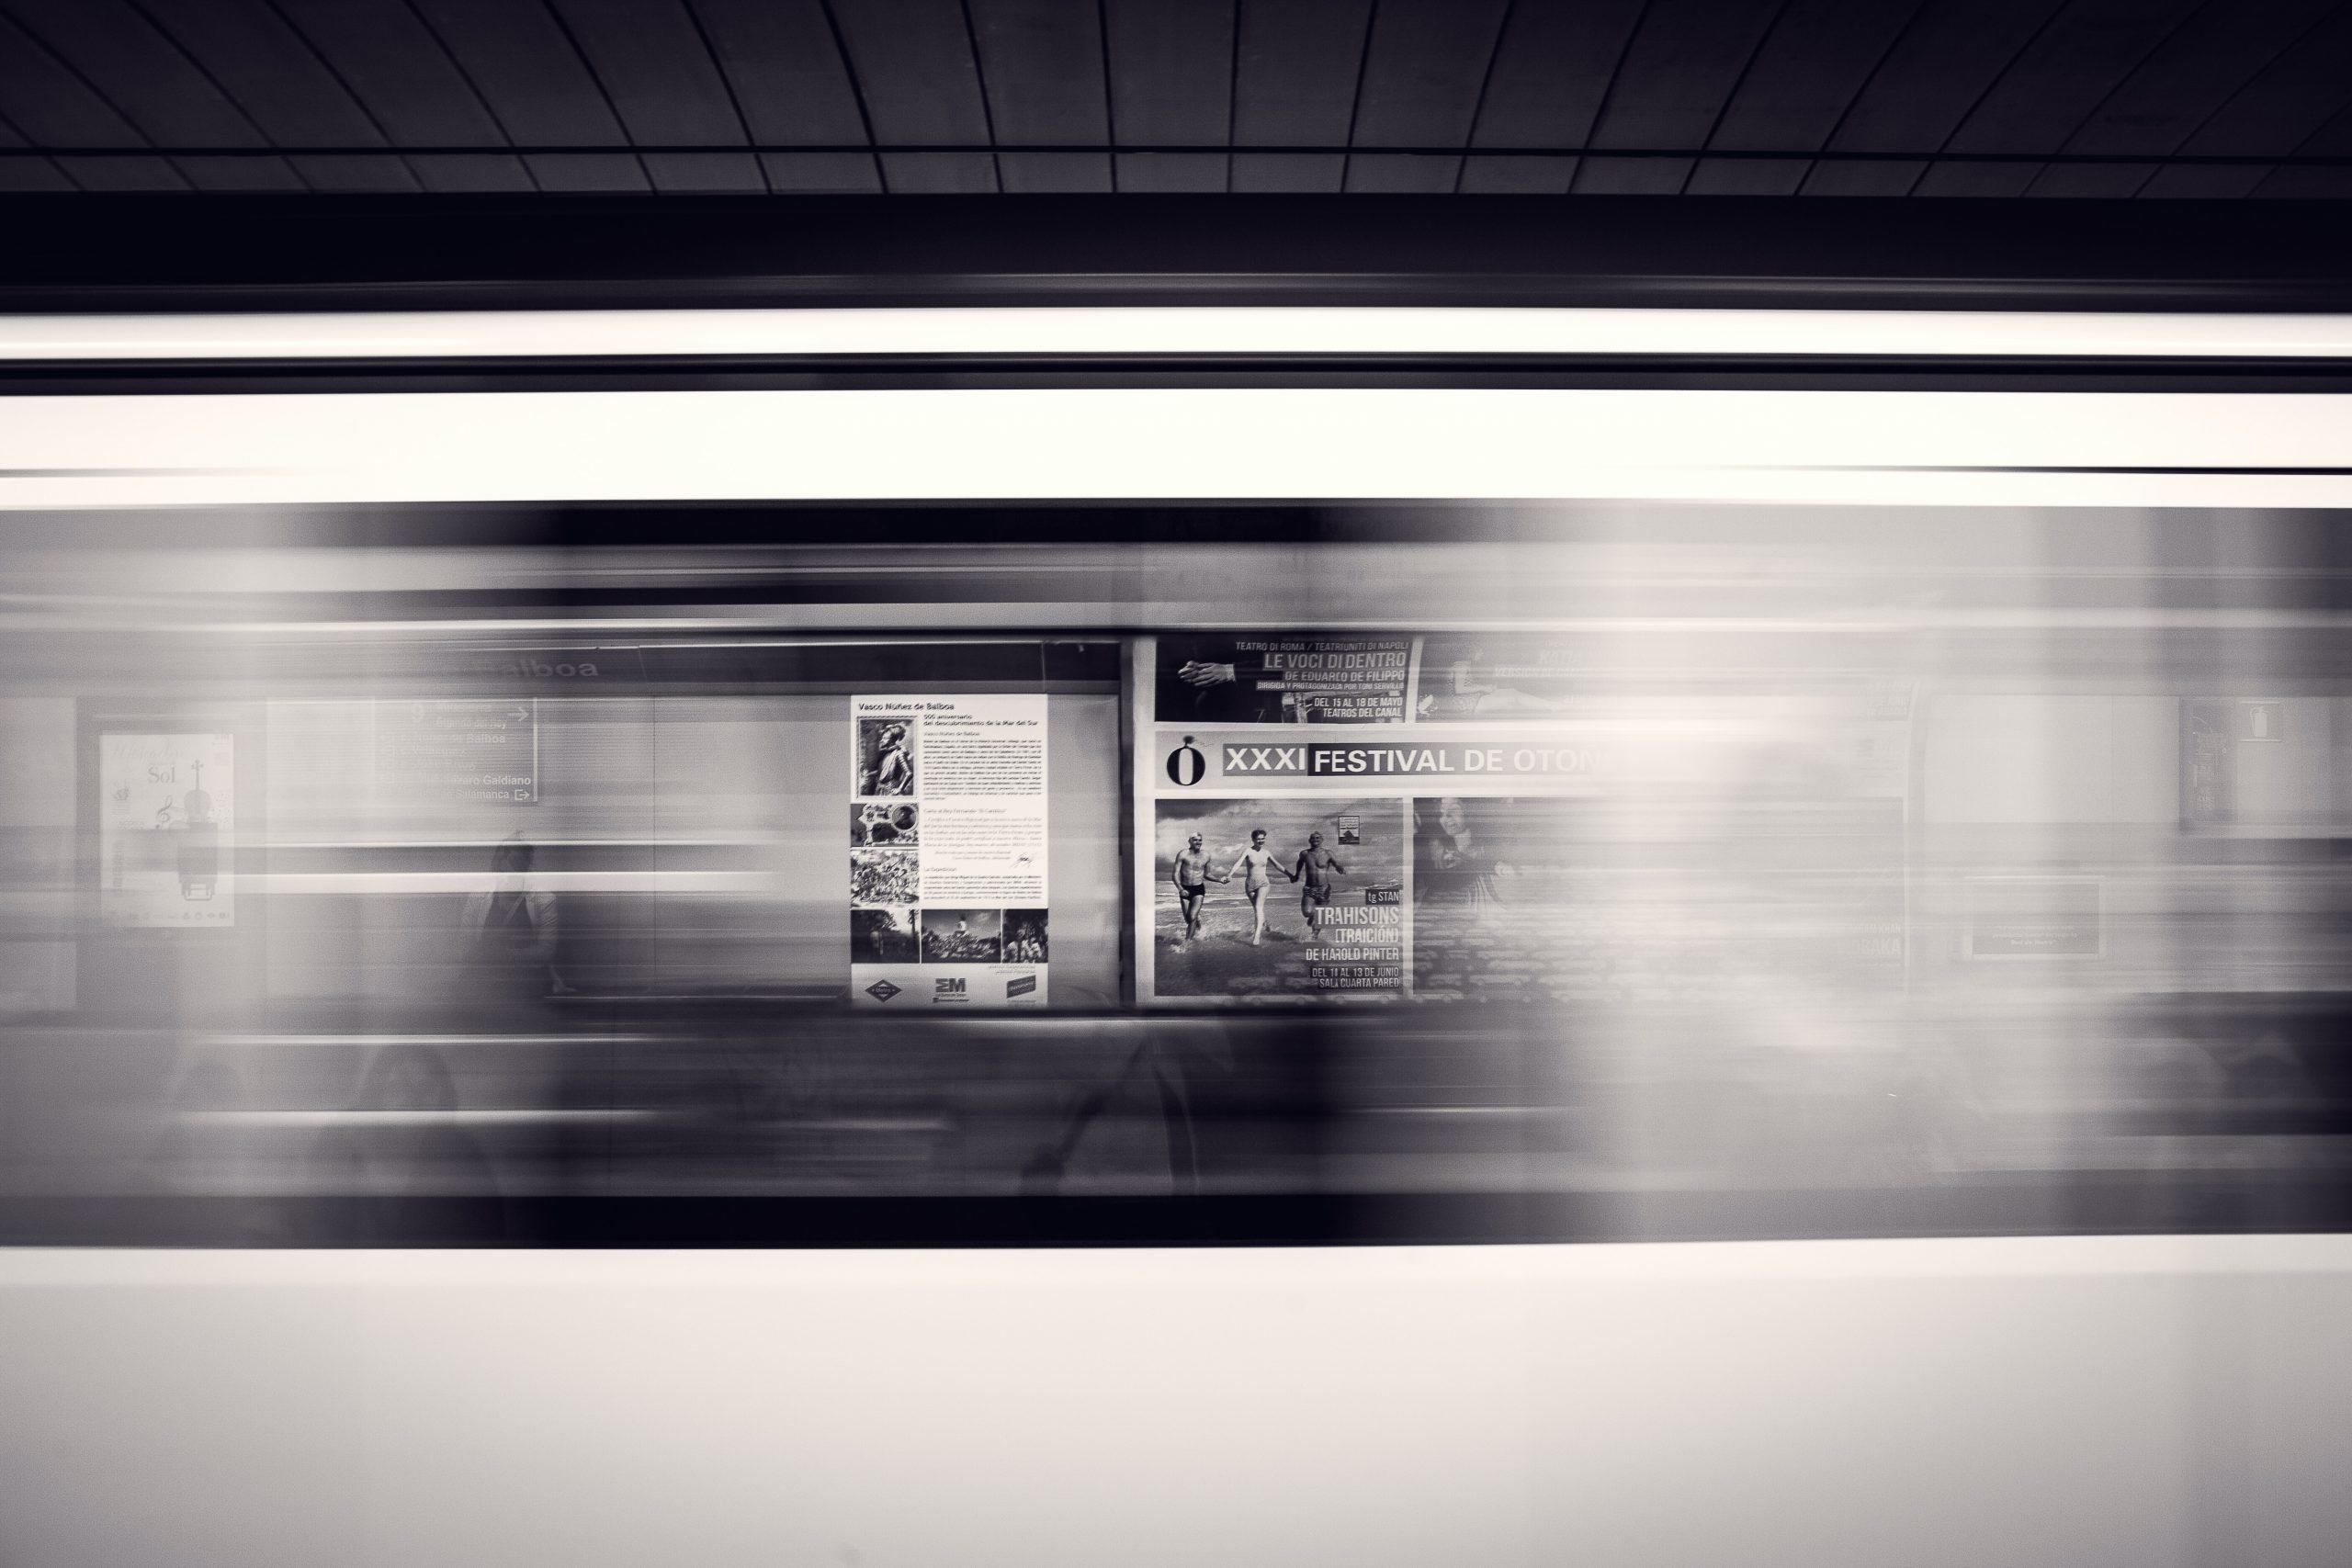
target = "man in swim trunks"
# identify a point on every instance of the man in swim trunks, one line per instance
(1192, 876)
(1317, 864)
(1256, 867)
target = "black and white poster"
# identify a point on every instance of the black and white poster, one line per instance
(947, 818)
(1272, 897)
(1470, 818)
(168, 814)
(1280, 679)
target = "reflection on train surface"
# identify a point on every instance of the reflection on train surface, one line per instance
(412, 875)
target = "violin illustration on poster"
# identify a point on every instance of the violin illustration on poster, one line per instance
(167, 829)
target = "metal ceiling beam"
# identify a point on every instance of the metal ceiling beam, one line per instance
(1180, 149)
(267, 253)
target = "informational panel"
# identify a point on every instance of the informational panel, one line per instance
(167, 813)
(1354, 817)
(459, 751)
(946, 814)
(2036, 916)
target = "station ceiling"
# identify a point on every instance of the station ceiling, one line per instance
(1884, 98)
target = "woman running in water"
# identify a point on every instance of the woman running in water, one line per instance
(1256, 867)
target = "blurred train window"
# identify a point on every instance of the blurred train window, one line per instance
(1436, 872)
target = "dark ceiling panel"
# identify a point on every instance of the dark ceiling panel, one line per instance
(2177, 89)
(792, 85)
(1045, 72)
(1295, 80)
(2062, 181)
(1171, 85)
(51, 105)
(1994, 178)
(1401, 173)
(822, 174)
(2332, 138)
(1683, 65)
(1552, 69)
(650, 60)
(153, 83)
(2333, 184)
(1288, 173)
(2070, 98)
(288, 89)
(2053, 88)
(1046, 174)
(2298, 91)
(29, 173)
(412, 87)
(1747, 176)
(914, 62)
(1949, 56)
(1425, 70)
(2287, 102)
(2196, 72)
(1523, 176)
(518, 55)
(2202, 182)
(1805, 76)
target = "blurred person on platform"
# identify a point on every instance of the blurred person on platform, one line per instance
(510, 933)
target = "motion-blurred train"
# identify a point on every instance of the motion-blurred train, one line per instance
(1817, 1033)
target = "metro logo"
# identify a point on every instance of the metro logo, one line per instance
(1264, 759)
(881, 991)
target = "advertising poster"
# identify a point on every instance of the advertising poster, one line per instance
(1267, 897)
(1490, 822)
(1278, 679)
(167, 830)
(947, 818)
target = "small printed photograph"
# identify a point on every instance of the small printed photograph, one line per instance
(1463, 850)
(875, 823)
(883, 936)
(1248, 893)
(1535, 896)
(882, 878)
(963, 936)
(1281, 680)
(886, 756)
(1024, 936)
(1466, 678)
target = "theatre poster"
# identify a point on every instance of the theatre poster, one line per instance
(1353, 818)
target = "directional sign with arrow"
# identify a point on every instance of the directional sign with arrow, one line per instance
(452, 750)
